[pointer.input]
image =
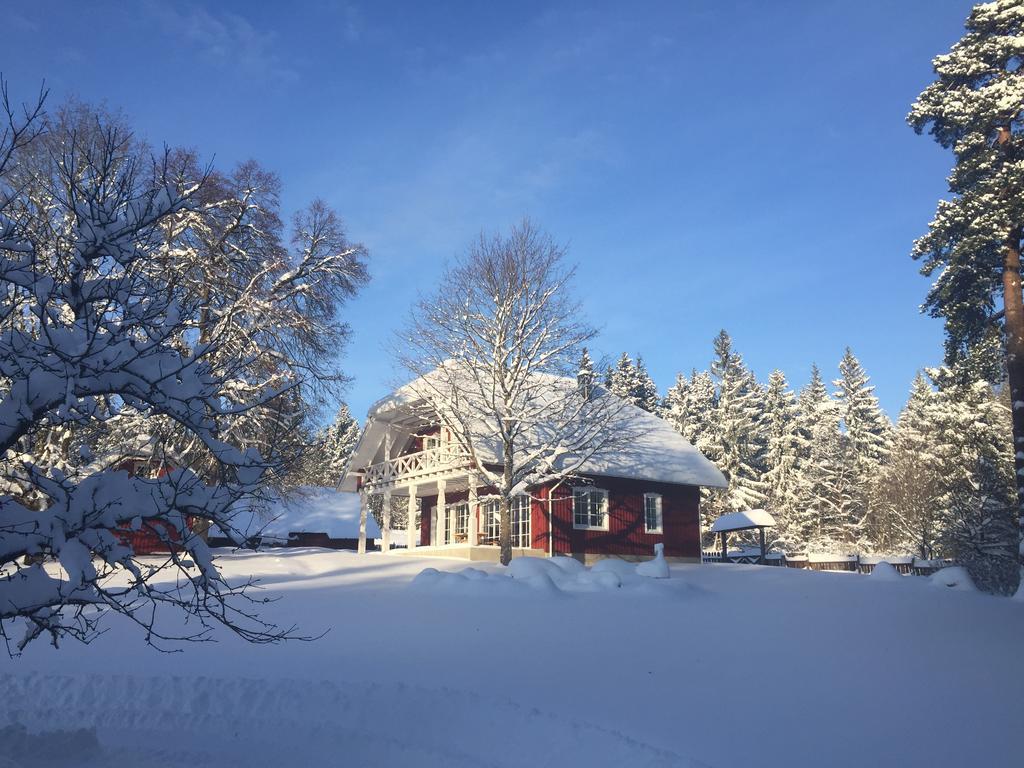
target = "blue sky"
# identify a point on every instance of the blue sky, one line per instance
(743, 165)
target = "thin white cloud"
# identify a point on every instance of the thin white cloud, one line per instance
(223, 38)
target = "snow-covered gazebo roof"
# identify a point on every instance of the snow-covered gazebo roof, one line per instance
(743, 521)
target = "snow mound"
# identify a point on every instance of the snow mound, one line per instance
(565, 577)
(656, 568)
(471, 582)
(954, 577)
(568, 564)
(533, 575)
(884, 571)
(621, 568)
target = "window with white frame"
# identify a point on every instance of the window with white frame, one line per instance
(456, 523)
(590, 508)
(491, 520)
(652, 513)
(521, 521)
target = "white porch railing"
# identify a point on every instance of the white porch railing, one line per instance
(433, 462)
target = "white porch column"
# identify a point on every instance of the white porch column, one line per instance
(363, 501)
(385, 534)
(442, 514)
(410, 529)
(473, 511)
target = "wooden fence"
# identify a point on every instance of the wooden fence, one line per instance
(824, 562)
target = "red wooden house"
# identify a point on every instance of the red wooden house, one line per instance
(144, 459)
(614, 506)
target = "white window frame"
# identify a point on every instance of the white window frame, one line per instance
(656, 497)
(604, 508)
(490, 519)
(522, 530)
(456, 522)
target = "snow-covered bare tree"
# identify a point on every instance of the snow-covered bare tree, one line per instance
(975, 108)
(492, 349)
(92, 332)
(276, 306)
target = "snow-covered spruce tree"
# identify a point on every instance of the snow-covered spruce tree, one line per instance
(785, 445)
(866, 436)
(690, 405)
(737, 446)
(325, 460)
(90, 332)
(585, 370)
(496, 351)
(973, 245)
(399, 511)
(644, 392)
(820, 518)
(978, 491)
(701, 425)
(622, 379)
(675, 405)
(909, 497)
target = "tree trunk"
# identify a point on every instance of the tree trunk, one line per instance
(504, 507)
(505, 532)
(1013, 319)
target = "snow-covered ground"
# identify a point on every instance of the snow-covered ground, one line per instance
(719, 665)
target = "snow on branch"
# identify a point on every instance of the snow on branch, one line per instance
(95, 335)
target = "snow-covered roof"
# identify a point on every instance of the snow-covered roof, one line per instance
(658, 453)
(742, 521)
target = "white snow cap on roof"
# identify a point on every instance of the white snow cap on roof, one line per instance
(658, 454)
(741, 521)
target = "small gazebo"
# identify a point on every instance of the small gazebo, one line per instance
(742, 521)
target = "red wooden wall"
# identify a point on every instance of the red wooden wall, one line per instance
(625, 534)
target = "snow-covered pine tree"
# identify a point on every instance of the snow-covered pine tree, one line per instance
(977, 476)
(585, 370)
(973, 245)
(785, 445)
(674, 407)
(817, 521)
(910, 515)
(327, 458)
(644, 392)
(866, 436)
(622, 379)
(737, 446)
(701, 424)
